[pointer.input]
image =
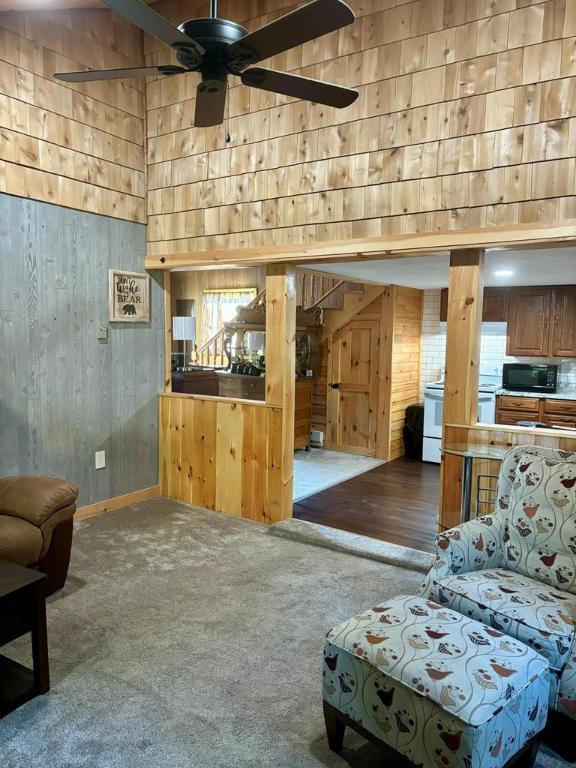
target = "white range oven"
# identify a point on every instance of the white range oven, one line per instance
(434, 407)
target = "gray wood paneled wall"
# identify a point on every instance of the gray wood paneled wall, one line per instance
(63, 393)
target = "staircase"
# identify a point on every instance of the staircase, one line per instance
(315, 293)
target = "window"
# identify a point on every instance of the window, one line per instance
(220, 306)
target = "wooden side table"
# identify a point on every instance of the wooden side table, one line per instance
(22, 610)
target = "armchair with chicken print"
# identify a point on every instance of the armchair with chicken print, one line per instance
(515, 570)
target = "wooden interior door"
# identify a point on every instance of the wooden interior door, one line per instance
(529, 322)
(353, 388)
(564, 329)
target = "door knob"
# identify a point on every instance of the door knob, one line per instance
(335, 386)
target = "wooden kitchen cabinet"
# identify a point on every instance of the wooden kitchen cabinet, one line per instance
(494, 305)
(511, 409)
(541, 319)
(529, 322)
(542, 322)
(563, 333)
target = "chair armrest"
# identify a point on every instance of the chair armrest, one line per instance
(35, 498)
(472, 546)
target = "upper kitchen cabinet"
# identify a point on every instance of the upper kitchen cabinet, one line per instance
(542, 322)
(529, 322)
(563, 335)
(494, 306)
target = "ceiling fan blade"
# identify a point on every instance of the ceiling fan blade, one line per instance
(299, 87)
(117, 74)
(210, 104)
(152, 22)
(307, 23)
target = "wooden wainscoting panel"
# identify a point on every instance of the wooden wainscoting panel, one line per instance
(222, 454)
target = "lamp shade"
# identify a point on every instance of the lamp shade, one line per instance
(184, 328)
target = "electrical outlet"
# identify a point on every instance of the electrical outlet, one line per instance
(100, 459)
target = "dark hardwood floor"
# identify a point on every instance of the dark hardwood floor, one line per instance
(397, 502)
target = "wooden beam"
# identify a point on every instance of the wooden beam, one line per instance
(382, 247)
(383, 421)
(167, 333)
(281, 380)
(465, 296)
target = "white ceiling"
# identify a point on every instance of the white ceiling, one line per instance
(550, 266)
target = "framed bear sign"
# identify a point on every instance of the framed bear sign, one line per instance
(129, 297)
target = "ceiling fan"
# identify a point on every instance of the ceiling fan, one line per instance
(218, 47)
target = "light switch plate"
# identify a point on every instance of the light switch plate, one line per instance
(100, 459)
(102, 332)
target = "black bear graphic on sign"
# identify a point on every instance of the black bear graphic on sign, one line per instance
(129, 309)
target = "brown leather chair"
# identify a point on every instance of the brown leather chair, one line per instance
(36, 521)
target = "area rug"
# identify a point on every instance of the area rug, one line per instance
(188, 639)
(318, 469)
(353, 544)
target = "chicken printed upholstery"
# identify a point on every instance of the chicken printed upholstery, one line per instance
(515, 570)
(438, 687)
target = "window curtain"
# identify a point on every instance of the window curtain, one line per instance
(219, 307)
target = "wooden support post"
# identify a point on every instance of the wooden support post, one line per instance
(383, 424)
(281, 381)
(465, 297)
(167, 333)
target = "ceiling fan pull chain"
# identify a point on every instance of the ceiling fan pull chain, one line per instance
(227, 137)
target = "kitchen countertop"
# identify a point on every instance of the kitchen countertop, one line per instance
(563, 393)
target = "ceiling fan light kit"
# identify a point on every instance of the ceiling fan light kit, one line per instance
(217, 48)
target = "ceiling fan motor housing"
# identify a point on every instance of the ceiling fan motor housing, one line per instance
(215, 35)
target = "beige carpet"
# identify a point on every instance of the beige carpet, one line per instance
(187, 639)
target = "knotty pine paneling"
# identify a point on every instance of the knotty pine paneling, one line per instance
(222, 454)
(190, 285)
(78, 146)
(466, 118)
(405, 368)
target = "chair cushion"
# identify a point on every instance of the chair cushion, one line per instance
(541, 530)
(20, 542)
(540, 616)
(35, 497)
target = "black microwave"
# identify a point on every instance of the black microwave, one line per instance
(523, 377)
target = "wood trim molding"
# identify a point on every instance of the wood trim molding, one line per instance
(217, 399)
(530, 432)
(116, 502)
(383, 247)
(167, 332)
(383, 421)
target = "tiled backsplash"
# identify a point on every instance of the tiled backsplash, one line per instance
(492, 353)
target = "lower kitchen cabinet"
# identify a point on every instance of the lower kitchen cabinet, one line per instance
(553, 412)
